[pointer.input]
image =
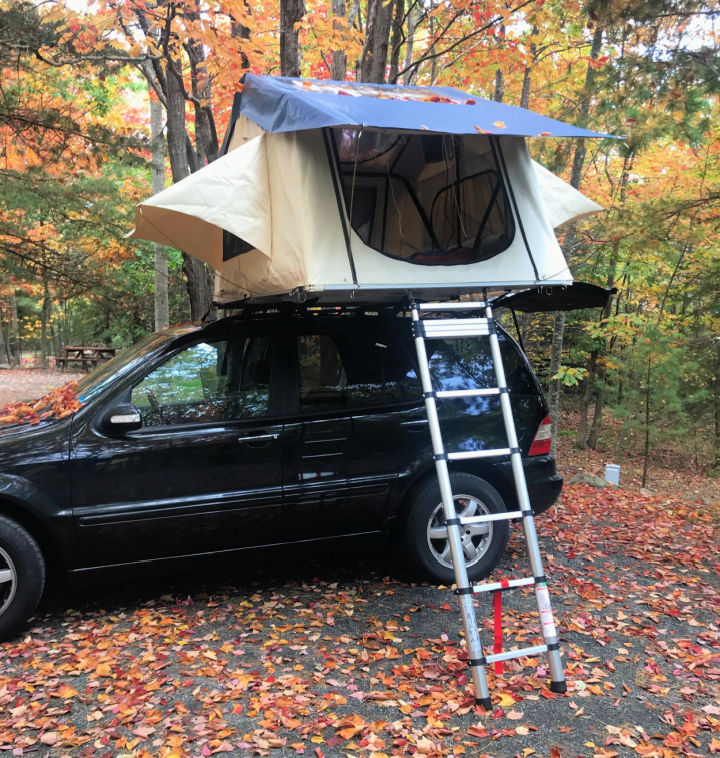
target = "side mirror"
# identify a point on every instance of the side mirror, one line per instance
(122, 418)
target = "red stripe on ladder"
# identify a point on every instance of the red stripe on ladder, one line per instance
(497, 608)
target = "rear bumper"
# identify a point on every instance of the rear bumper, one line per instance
(543, 482)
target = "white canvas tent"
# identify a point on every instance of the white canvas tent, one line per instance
(314, 196)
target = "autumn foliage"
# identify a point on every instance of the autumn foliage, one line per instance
(59, 403)
(346, 656)
(75, 148)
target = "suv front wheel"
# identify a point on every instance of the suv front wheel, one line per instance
(22, 577)
(426, 534)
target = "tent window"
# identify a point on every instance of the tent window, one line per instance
(424, 198)
(234, 246)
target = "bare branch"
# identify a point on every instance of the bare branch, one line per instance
(432, 55)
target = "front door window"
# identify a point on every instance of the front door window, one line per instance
(210, 381)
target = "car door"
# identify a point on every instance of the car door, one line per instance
(317, 434)
(204, 472)
(344, 446)
(385, 400)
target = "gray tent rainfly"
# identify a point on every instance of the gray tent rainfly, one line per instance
(350, 190)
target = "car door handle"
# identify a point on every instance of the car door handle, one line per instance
(415, 423)
(258, 437)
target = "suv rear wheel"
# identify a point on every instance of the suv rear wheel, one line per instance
(22, 577)
(426, 537)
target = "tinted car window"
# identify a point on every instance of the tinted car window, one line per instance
(209, 381)
(322, 375)
(107, 373)
(466, 363)
(354, 369)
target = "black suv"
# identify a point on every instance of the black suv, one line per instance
(282, 424)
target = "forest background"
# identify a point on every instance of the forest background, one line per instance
(103, 103)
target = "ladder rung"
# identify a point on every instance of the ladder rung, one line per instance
(468, 393)
(516, 653)
(506, 516)
(478, 454)
(464, 305)
(494, 586)
(455, 327)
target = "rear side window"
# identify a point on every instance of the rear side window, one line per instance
(466, 363)
(351, 369)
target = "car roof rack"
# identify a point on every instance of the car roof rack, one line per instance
(261, 308)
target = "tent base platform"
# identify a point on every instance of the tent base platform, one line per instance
(387, 293)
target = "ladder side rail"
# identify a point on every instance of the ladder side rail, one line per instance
(472, 637)
(547, 623)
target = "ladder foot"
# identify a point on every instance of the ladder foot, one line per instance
(559, 687)
(485, 702)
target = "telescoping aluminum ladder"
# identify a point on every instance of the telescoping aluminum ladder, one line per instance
(483, 326)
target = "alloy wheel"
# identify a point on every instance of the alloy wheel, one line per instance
(474, 538)
(8, 581)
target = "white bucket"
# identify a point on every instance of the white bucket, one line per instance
(612, 473)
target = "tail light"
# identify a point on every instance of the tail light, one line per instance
(543, 439)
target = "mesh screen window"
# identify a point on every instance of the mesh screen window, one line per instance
(425, 198)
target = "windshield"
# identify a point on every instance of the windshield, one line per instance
(105, 374)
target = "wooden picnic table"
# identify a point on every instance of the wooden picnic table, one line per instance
(87, 356)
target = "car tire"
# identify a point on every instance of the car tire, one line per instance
(426, 539)
(22, 577)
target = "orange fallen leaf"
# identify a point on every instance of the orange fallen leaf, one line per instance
(66, 691)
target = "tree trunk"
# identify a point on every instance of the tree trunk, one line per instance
(176, 133)
(162, 315)
(397, 40)
(412, 23)
(200, 287)
(200, 277)
(206, 140)
(554, 387)
(524, 322)
(338, 69)
(597, 418)
(44, 319)
(568, 244)
(4, 352)
(434, 61)
(596, 374)
(586, 397)
(55, 338)
(527, 74)
(15, 351)
(375, 50)
(291, 12)
(499, 86)
(716, 401)
(646, 446)
(240, 31)
(596, 367)
(582, 121)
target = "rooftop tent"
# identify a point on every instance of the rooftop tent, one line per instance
(354, 189)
